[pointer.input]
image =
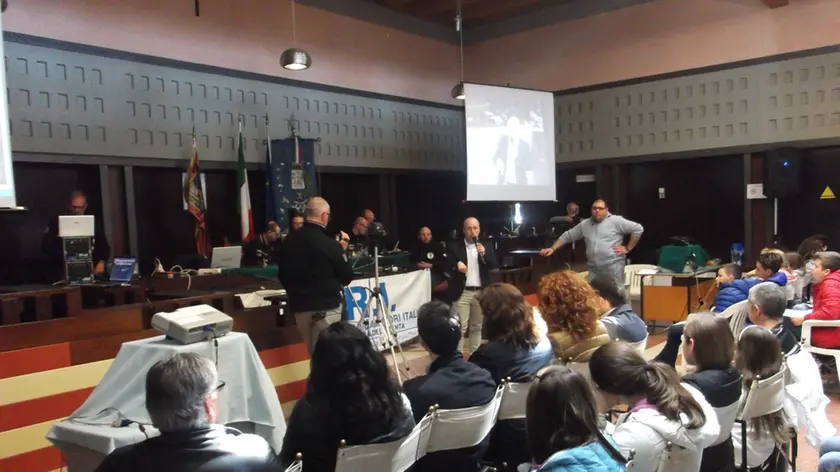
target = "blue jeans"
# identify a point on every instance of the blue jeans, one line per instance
(830, 455)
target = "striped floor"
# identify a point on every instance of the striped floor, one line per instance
(40, 386)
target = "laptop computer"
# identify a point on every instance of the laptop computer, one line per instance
(75, 226)
(229, 257)
(122, 270)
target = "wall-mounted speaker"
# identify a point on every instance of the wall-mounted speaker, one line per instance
(782, 172)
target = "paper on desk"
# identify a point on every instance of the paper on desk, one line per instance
(257, 299)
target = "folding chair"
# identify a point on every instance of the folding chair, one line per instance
(633, 280)
(395, 456)
(297, 465)
(807, 326)
(464, 427)
(737, 315)
(640, 346)
(765, 396)
(514, 400)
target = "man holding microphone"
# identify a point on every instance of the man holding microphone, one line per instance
(470, 262)
(604, 235)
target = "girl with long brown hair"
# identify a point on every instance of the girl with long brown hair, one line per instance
(759, 356)
(517, 348)
(662, 410)
(710, 346)
(563, 429)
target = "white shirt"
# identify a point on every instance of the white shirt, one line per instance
(473, 274)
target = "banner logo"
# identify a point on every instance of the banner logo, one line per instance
(362, 296)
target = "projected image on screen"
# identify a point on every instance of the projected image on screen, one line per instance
(510, 144)
(7, 181)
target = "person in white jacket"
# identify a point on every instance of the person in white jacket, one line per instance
(669, 423)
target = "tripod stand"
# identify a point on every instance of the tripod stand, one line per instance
(380, 313)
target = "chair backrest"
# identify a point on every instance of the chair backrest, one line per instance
(764, 396)
(395, 456)
(726, 418)
(464, 427)
(632, 277)
(665, 459)
(737, 315)
(297, 465)
(514, 400)
(640, 346)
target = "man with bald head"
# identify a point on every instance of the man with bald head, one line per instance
(470, 262)
(604, 235)
(314, 272)
(427, 253)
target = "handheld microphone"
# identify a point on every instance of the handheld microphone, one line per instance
(480, 255)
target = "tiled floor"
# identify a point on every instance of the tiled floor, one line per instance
(417, 361)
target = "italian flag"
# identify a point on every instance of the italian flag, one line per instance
(243, 196)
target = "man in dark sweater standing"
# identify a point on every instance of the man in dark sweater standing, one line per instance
(314, 272)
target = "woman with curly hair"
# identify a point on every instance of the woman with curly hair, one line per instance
(517, 348)
(571, 308)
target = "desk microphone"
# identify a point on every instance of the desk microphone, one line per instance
(480, 255)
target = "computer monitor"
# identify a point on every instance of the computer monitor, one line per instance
(75, 226)
(229, 257)
(122, 269)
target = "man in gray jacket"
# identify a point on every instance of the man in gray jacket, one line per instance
(604, 235)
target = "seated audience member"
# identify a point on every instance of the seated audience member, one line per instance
(829, 455)
(769, 265)
(563, 433)
(793, 272)
(759, 356)
(451, 383)
(350, 396)
(710, 347)
(181, 398)
(826, 277)
(662, 410)
(619, 319)
(570, 306)
(261, 250)
(808, 250)
(767, 304)
(732, 289)
(517, 348)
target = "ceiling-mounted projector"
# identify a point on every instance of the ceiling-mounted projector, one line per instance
(193, 324)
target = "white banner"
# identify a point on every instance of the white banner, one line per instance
(402, 293)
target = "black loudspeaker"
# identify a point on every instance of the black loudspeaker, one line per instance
(782, 172)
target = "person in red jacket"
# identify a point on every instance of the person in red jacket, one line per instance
(826, 278)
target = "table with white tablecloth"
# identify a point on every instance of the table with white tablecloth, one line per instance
(248, 401)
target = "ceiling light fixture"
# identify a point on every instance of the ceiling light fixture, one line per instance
(458, 90)
(294, 58)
